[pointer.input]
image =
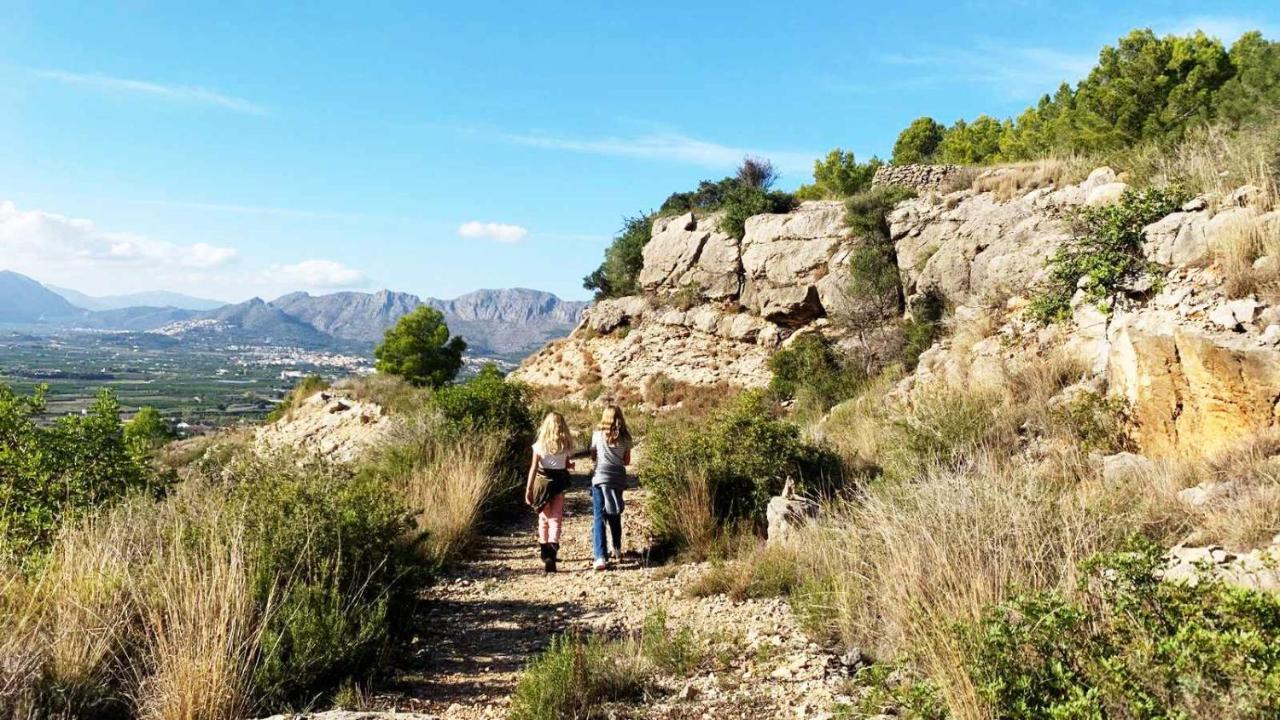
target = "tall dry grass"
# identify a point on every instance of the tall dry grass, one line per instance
(449, 489)
(1238, 249)
(1213, 159)
(202, 625)
(1017, 179)
(145, 611)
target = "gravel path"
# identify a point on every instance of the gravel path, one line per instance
(483, 622)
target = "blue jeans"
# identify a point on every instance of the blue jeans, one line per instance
(601, 518)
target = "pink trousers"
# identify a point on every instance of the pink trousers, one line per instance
(550, 520)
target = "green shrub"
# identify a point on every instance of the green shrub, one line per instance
(419, 349)
(619, 274)
(922, 329)
(810, 371)
(334, 562)
(742, 453)
(744, 201)
(574, 677)
(54, 473)
(1132, 646)
(673, 653)
(839, 175)
(1105, 252)
(866, 213)
(887, 687)
(489, 403)
(918, 142)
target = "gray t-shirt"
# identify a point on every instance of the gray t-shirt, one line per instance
(611, 465)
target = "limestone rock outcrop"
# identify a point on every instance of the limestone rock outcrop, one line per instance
(328, 425)
(713, 310)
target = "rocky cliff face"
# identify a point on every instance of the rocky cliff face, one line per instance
(1197, 367)
(714, 308)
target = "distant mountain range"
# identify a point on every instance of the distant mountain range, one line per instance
(155, 298)
(508, 324)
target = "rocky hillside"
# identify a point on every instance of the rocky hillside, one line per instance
(1192, 355)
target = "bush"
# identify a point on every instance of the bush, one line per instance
(574, 677)
(61, 471)
(1132, 646)
(839, 175)
(866, 213)
(332, 564)
(768, 571)
(745, 201)
(489, 404)
(618, 275)
(742, 454)
(810, 371)
(418, 348)
(1105, 252)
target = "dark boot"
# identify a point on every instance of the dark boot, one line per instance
(544, 551)
(549, 562)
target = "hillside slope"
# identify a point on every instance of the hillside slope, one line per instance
(23, 300)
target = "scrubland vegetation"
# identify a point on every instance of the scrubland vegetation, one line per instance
(214, 582)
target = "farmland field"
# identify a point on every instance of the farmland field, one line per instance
(202, 386)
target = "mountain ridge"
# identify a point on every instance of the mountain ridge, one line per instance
(506, 323)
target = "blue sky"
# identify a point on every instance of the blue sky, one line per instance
(236, 149)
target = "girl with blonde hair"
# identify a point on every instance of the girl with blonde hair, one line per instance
(611, 445)
(547, 482)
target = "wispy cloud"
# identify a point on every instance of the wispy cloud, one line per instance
(1226, 28)
(179, 93)
(501, 232)
(1014, 72)
(666, 147)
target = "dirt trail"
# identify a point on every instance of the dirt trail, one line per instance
(484, 621)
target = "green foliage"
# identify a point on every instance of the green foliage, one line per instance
(744, 453)
(744, 201)
(488, 403)
(709, 197)
(333, 566)
(866, 213)
(839, 175)
(971, 143)
(810, 371)
(618, 275)
(58, 472)
(1095, 421)
(922, 329)
(418, 348)
(1132, 646)
(918, 142)
(1145, 88)
(574, 677)
(886, 685)
(1105, 253)
(674, 653)
(146, 431)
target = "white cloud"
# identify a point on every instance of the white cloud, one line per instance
(76, 253)
(181, 93)
(669, 147)
(318, 274)
(36, 238)
(500, 232)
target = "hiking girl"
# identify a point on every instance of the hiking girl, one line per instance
(548, 480)
(611, 445)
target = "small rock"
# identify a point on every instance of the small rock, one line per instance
(1195, 204)
(1124, 465)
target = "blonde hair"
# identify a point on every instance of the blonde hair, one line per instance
(554, 436)
(614, 426)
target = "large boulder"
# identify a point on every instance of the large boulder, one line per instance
(689, 254)
(786, 256)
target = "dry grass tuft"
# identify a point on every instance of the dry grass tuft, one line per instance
(1013, 181)
(450, 489)
(1214, 159)
(202, 627)
(1247, 251)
